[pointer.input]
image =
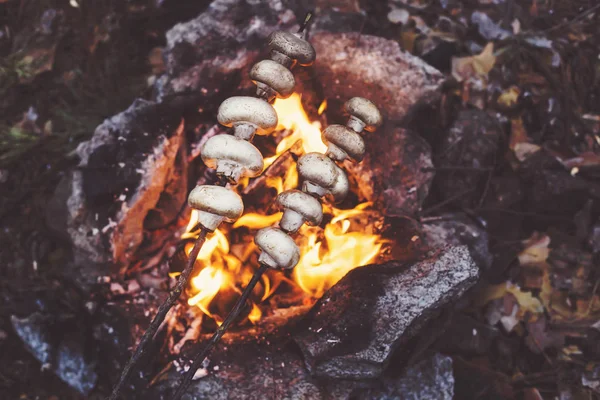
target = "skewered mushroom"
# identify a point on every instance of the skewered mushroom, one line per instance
(278, 249)
(340, 188)
(247, 115)
(343, 142)
(288, 48)
(299, 207)
(321, 176)
(232, 157)
(215, 204)
(272, 80)
(363, 114)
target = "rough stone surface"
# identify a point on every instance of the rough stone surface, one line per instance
(59, 349)
(355, 327)
(376, 68)
(249, 370)
(466, 151)
(272, 369)
(396, 172)
(430, 378)
(210, 51)
(457, 229)
(132, 178)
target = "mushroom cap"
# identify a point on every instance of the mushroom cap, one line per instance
(292, 46)
(340, 188)
(346, 139)
(274, 75)
(217, 200)
(224, 148)
(364, 110)
(246, 109)
(302, 203)
(279, 249)
(318, 169)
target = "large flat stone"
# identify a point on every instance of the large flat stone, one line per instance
(349, 64)
(214, 51)
(354, 329)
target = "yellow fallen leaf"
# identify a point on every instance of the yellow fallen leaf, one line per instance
(536, 250)
(479, 65)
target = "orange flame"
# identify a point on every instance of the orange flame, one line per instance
(327, 254)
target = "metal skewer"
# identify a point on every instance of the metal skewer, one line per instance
(231, 317)
(163, 310)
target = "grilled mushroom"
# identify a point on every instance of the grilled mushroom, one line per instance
(322, 177)
(288, 48)
(272, 80)
(278, 249)
(363, 114)
(340, 188)
(317, 172)
(215, 204)
(247, 115)
(299, 207)
(343, 142)
(232, 157)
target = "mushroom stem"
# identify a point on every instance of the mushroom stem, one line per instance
(201, 355)
(355, 124)
(282, 59)
(244, 130)
(163, 310)
(291, 221)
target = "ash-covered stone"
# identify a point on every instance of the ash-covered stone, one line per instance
(430, 378)
(272, 369)
(132, 177)
(396, 172)
(60, 347)
(349, 64)
(466, 156)
(358, 324)
(457, 229)
(209, 52)
(254, 369)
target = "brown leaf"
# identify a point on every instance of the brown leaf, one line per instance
(520, 142)
(475, 66)
(536, 250)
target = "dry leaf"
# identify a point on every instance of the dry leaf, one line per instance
(509, 97)
(536, 250)
(519, 141)
(479, 65)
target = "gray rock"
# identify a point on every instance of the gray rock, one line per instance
(430, 378)
(59, 349)
(251, 369)
(357, 325)
(272, 370)
(350, 65)
(457, 229)
(132, 178)
(396, 172)
(210, 51)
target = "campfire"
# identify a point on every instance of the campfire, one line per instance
(348, 238)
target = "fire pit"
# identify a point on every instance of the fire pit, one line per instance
(349, 239)
(369, 278)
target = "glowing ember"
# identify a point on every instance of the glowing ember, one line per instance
(346, 242)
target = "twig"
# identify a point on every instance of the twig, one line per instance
(161, 314)
(199, 358)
